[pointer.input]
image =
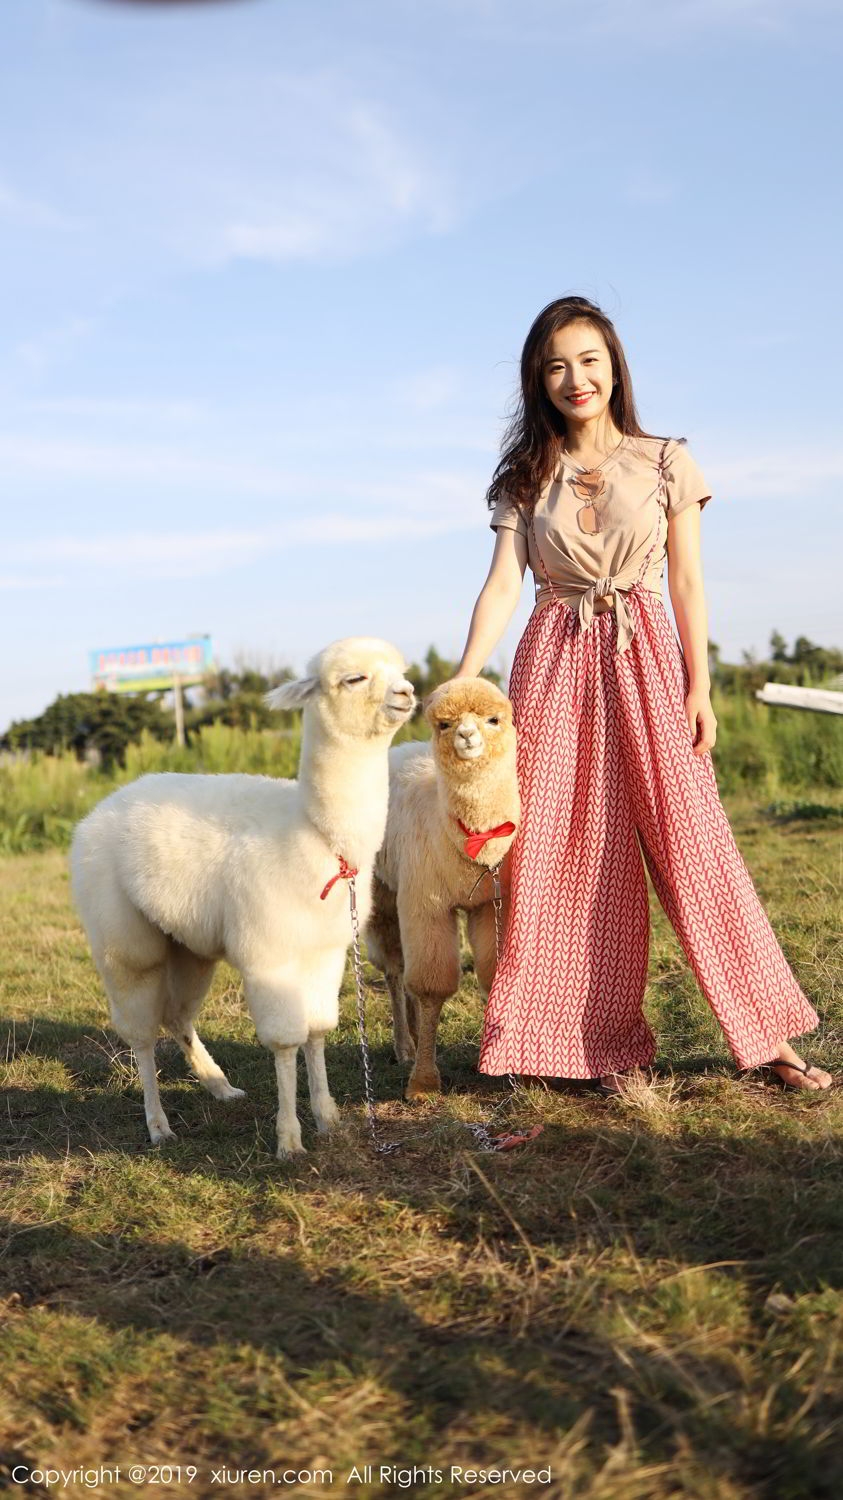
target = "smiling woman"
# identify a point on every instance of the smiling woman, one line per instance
(615, 725)
(593, 369)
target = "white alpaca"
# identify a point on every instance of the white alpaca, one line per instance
(174, 872)
(465, 781)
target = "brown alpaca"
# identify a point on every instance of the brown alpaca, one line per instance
(423, 875)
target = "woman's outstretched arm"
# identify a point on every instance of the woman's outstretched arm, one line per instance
(496, 601)
(687, 595)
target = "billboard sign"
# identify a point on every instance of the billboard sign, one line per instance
(142, 669)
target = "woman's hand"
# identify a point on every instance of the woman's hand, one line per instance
(496, 602)
(701, 720)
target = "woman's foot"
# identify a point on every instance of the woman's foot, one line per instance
(613, 1083)
(609, 1083)
(795, 1073)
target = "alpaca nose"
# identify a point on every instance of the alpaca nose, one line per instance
(468, 733)
(402, 695)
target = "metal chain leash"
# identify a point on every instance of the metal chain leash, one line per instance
(482, 1133)
(384, 1148)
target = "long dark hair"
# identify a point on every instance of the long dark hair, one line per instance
(536, 431)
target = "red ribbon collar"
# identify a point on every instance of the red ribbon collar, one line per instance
(474, 841)
(344, 872)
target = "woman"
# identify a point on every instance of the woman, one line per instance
(615, 726)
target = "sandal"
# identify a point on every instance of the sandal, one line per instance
(605, 1089)
(645, 1070)
(806, 1070)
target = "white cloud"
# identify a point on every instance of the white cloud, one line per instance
(215, 468)
(12, 582)
(47, 348)
(70, 459)
(101, 409)
(261, 166)
(776, 474)
(31, 213)
(432, 504)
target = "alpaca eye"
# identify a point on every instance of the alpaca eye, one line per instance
(493, 721)
(443, 724)
(352, 681)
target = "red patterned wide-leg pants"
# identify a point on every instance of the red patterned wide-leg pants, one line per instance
(605, 760)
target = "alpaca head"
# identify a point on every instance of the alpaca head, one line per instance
(354, 689)
(471, 721)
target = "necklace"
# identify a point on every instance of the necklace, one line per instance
(587, 485)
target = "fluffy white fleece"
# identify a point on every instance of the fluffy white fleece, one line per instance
(174, 872)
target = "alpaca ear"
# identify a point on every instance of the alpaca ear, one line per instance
(434, 695)
(429, 704)
(292, 694)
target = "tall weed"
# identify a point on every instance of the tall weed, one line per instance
(765, 752)
(42, 797)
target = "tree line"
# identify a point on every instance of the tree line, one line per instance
(102, 724)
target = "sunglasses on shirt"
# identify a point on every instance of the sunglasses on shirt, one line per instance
(588, 485)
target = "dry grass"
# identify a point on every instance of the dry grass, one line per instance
(647, 1299)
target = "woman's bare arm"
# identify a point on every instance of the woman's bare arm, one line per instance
(496, 601)
(687, 595)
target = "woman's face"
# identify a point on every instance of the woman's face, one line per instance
(578, 373)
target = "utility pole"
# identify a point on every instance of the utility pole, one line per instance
(178, 706)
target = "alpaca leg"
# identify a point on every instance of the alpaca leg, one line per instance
(289, 1129)
(431, 976)
(156, 1120)
(480, 928)
(383, 945)
(200, 1062)
(130, 953)
(288, 1004)
(325, 1111)
(412, 1018)
(403, 1039)
(425, 1077)
(137, 1005)
(188, 981)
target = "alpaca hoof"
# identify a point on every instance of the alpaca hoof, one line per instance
(419, 1086)
(227, 1092)
(328, 1118)
(289, 1142)
(406, 1052)
(159, 1131)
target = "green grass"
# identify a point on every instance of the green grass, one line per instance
(649, 1298)
(43, 797)
(768, 752)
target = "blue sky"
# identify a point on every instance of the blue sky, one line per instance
(267, 266)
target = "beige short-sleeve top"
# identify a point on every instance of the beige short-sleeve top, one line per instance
(647, 480)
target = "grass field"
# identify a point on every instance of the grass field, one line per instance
(648, 1298)
(771, 753)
